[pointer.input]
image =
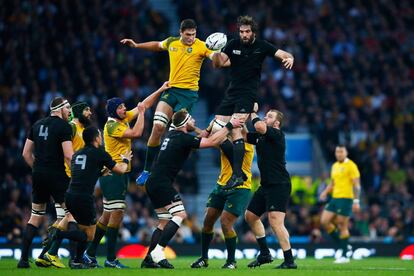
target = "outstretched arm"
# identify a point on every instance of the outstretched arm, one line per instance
(150, 46)
(287, 58)
(151, 99)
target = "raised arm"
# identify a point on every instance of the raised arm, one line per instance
(220, 135)
(258, 124)
(138, 128)
(287, 58)
(150, 46)
(149, 101)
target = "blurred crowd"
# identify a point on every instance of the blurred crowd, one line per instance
(352, 83)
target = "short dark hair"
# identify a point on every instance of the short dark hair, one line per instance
(279, 116)
(187, 24)
(89, 135)
(179, 117)
(341, 146)
(247, 20)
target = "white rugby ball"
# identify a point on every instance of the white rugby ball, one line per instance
(216, 41)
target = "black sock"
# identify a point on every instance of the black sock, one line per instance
(81, 247)
(75, 235)
(72, 226)
(29, 234)
(264, 249)
(51, 232)
(288, 256)
(227, 149)
(231, 248)
(205, 243)
(168, 233)
(238, 155)
(154, 239)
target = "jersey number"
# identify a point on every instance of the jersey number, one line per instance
(81, 160)
(165, 143)
(43, 132)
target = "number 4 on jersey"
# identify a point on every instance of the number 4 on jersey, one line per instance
(43, 132)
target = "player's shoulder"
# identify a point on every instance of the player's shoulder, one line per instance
(171, 40)
(351, 163)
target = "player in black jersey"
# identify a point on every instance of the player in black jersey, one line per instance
(275, 186)
(87, 166)
(245, 57)
(46, 149)
(167, 203)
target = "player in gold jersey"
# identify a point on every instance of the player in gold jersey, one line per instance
(186, 54)
(346, 190)
(117, 137)
(227, 205)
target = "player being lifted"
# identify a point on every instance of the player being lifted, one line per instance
(245, 57)
(186, 53)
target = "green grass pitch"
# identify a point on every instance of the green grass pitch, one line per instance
(308, 267)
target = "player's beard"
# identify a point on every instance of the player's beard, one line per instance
(84, 120)
(249, 41)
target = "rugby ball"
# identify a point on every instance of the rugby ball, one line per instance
(216, 41)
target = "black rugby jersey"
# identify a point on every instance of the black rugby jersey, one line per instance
(86, 167)
(48, 134)
(174, 151)
(270, 148)
(246, 64)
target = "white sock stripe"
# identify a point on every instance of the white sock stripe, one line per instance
(219, 122)
(114, 206)
(176, 209)
(164, 215)
(38, 212)
(161, 119)
(60, 212)
(177, 220)
(113, 201)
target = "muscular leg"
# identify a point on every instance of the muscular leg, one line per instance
(238, 148)
(36, 219)
(100, 231)
(277, 222)
(162, 116)
(112, 230)
(227, 221)
(327, 219)
(207, 232)
(258, 230)
(177, 211)
(343, 223)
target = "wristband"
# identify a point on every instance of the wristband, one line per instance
(255, 120)
(229, 126)
(356, 201)
(126, 161)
